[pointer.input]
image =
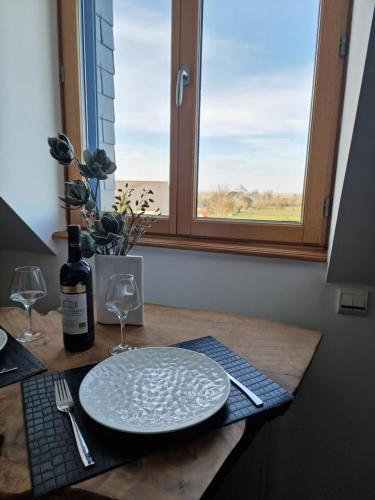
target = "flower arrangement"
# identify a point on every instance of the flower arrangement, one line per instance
(107, 233)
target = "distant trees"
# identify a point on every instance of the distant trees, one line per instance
(223, 202)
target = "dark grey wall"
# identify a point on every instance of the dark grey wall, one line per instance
(353, 249)
(16, 234)
(323, 447)
(106, 91)
(105, 74)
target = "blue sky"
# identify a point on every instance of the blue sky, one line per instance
(257, 69)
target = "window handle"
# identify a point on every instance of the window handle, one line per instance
(183, 79)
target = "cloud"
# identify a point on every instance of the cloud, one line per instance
(258, 105)
(253, 119)
(224, 50)
(142, 65)
(139, 25)
(259, 163)
(253, 105)
(142, 163)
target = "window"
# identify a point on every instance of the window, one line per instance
(142, 104)
(248, 151)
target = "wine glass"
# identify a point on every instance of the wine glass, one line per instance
(121, 297)
(27, 287)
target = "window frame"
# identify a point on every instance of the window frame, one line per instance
(70, 82)
(181, 226)
(89, 81)
(324, 128)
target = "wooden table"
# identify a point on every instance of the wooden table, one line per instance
(281, 351)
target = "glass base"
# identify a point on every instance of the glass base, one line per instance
(118, 349)
(29, 337)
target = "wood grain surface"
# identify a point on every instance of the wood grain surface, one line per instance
(281, 351)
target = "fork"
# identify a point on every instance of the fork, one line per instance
(7, 370)
(65, 404)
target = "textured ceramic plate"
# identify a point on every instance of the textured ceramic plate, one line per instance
(153, 390)
(3, 339)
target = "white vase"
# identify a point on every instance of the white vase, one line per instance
(106, 266)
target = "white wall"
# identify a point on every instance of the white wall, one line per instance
(285, 290)
(30, 181)
(289, 291)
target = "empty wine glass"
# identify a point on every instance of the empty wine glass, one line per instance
(27, 287)
(122, 296)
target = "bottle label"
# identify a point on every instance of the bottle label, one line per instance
(74, 309)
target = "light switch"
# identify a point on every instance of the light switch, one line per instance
(346, 300)
(359, 301)
(353, 301)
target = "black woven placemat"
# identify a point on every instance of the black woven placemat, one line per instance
(15, 354)
(53, 457)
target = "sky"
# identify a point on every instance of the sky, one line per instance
(257, 72)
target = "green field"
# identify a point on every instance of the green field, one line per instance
(260, 206)
(284, 214)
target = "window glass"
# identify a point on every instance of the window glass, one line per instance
(257, 71)
(142, 35)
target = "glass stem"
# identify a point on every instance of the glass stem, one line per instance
(30, 319)
(122, 323)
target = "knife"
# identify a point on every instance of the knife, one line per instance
(253, 397)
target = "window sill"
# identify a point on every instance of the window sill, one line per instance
(298, 252)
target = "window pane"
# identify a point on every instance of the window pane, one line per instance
(256, 86)
(142, 38)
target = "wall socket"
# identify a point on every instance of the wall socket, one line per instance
(353, 301)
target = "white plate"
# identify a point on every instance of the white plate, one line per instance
(3, 339)
(154, 389)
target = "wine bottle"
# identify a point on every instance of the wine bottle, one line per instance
(76, 297)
